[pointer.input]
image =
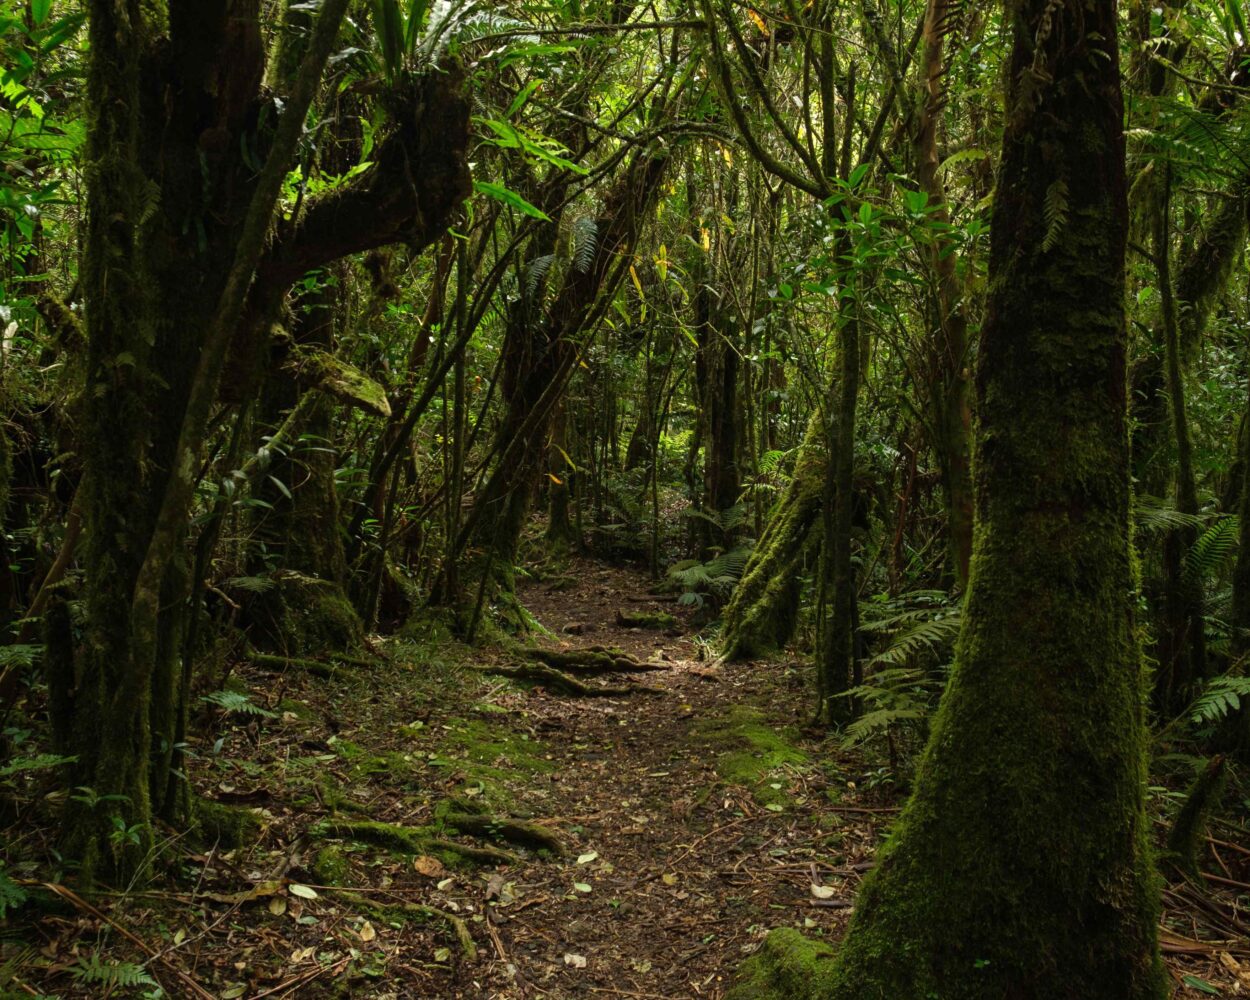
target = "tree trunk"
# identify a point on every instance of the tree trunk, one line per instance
(762, 612)
(305, 609)
(949, 391)
(544, 349)
(1021, 865)
(1182, 650)
(174, 103)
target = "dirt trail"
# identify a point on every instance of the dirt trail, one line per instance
(688, 870)
(695, 819)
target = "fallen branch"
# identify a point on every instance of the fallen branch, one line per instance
(318, 668)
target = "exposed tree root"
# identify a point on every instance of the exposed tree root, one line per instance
(515, 831)
(475, 855)
(428, 840)
(386, 911)
(594, 660)
(561, 682)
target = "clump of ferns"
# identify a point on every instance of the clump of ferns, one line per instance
(714, 579)
(913, 636)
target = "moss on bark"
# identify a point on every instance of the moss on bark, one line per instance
(763, 611)
(1021, 867)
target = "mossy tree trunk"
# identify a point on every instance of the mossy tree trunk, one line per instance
(178, 226)
(950, 380)
(1237, 732)
(762, 613)
(717, 360)
(305, 608)
(1182, 650)
(1020, 866)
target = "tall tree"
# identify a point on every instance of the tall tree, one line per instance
(1020, 866)
(182, 270)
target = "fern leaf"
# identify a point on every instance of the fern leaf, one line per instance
(1220, 698)
(536, 272)
(235, 702)
(585, 243)
(1055, 212)
(12, 895)
(1212, 549)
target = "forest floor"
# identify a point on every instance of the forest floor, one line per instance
(692, 819)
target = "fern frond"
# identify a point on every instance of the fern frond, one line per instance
(1156, 516)
(40, 762)
(1212, 549)
(585, 243)
(933, 636)
(1055, 212)
(872, 723)
(234, 701)
(252, 584)
(535, 272)
(12, 896)
(1220, 698)
(110, 974)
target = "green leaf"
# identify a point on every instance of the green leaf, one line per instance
(510, 198)
(962, 157)
(39, 10)
(388, 24)
(1201, 985)
(417, 10)
(523, 95)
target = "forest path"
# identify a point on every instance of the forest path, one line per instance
(697, 818)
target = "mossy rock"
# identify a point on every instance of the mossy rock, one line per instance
(297, 708)
(645, 619)
(789, 966)
(751, 752)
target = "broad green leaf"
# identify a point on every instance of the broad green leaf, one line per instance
(510, 198)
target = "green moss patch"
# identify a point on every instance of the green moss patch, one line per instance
(788, 967)
(752, 753)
